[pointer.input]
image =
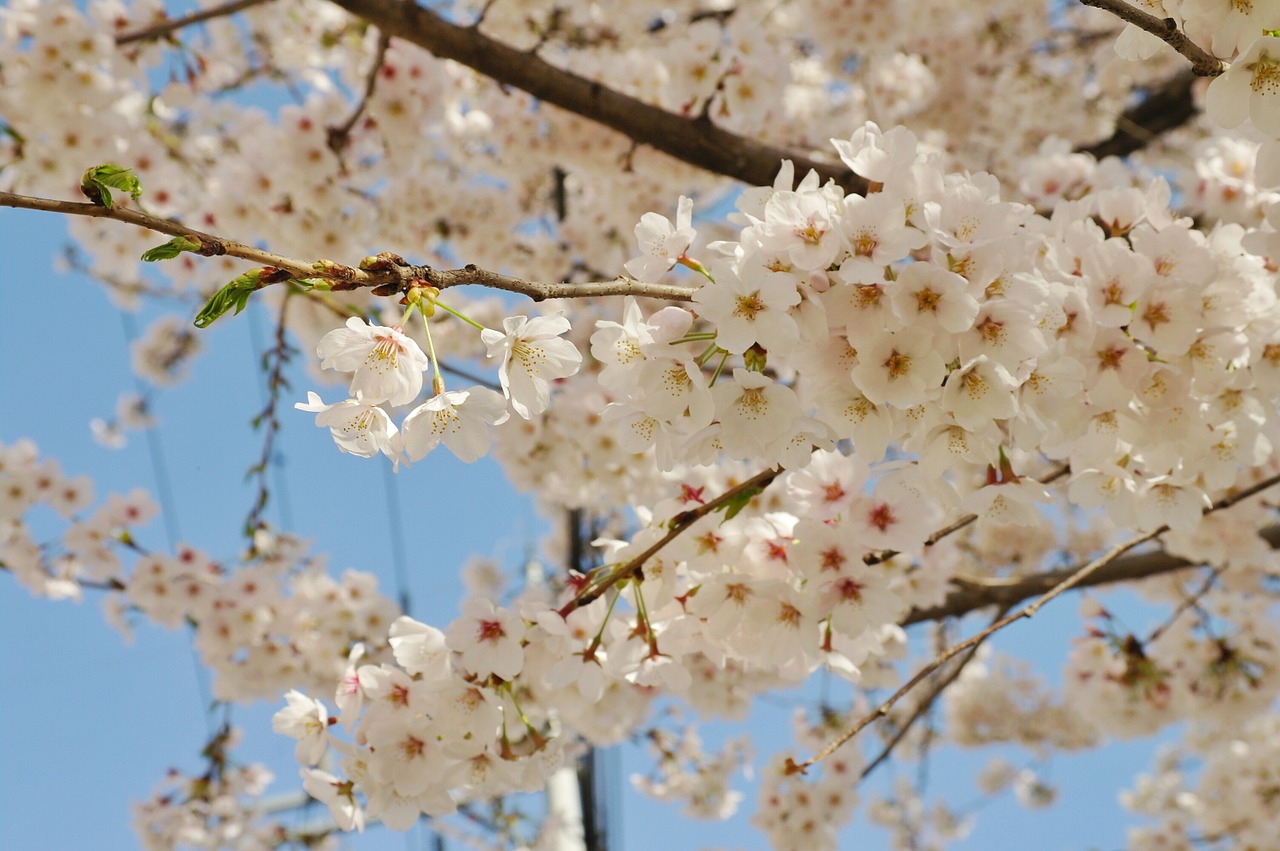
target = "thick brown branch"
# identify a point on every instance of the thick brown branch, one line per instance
(393, 274)
(976, 595)
(160, 30)
(970, 597)
(695, 141)
(1075, 577)
(1163, 109)
(1203, 63)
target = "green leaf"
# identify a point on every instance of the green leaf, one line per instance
(235, 294)
(738, 501)
(170, 249)
(97, 182)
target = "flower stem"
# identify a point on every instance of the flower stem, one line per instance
(467, 319)
(437, 380)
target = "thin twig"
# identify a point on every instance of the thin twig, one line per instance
(164, 28)
(1075, 577)
(1067, 584)
(884, 555)
(339, 135)
(925, 704)
(276, 358)
(1203, 63)
(389, 275)
(1187, 603)
(675, 526)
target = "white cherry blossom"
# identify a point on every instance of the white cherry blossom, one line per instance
(358, 427)
(1250, 88)
(533, 355)
(387, 366)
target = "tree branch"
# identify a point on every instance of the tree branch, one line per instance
(971, 596)
(1163, 109)
(676, 525)
(885, 555)
(389, 273)
(155, 31)
(693, 140)
(1074, 578)
(924, 705)
(1071, 578)
(339, 135)
(1203, 63)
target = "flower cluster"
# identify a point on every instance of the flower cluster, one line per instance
(997, 309)
(387, 367)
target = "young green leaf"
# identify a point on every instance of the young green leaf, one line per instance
(738, 501)
(235, 294)
(170, 249)
(97, 182)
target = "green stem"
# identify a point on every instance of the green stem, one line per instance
(437, 383)
(719, 369)
(599, 636)
(467, 319)
(643, 614)
(695, 337)
(707, 354)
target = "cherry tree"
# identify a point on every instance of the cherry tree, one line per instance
(821, 322)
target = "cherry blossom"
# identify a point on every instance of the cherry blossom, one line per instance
(980, 355)
(459, 419)
(359, 427)
(387, 366)
(661, 242)
(1250, 88)
(533, 355)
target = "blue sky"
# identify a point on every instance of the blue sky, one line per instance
(92, 724)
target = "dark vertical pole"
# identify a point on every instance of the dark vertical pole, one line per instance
(595, 814)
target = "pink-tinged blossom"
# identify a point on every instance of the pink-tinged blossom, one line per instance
(358, 427)
(980, 392)
(803, 228)
(1249, 89)
(533, 355)
(460, 419)
(876, 155)
(386, 365)
(1008, 503)
(858, 599)
(675, 390)
(877, 233)
(623, 347)
(1169, 502)
(350, 692)
(661, 243)
(487, 639)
